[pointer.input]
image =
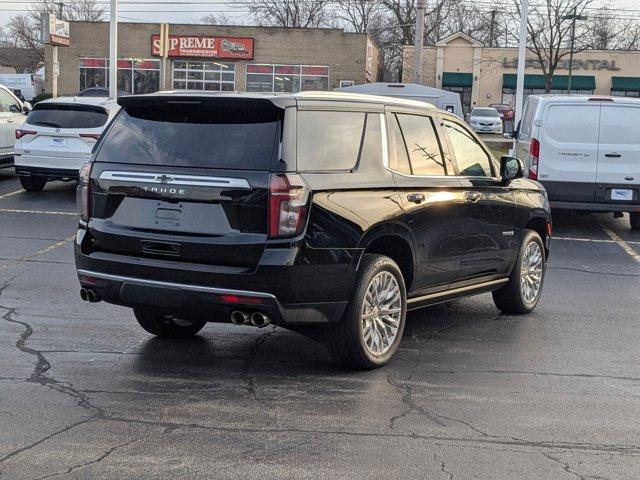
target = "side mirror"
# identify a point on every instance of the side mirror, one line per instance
(26, 107)
(510, 168)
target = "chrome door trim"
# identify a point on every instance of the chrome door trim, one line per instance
(177, 179)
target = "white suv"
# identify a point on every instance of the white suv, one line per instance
(57, 137)
(12, 115)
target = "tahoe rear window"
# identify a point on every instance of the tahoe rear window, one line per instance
(67, 116)
(194, 134)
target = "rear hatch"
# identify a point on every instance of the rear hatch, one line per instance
(618, 170)
(186, 179)
(63, 130)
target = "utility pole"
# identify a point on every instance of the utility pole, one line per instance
(573, 17)
(492, 28)
(419, 37)
(522, 45)
(60, 7)
(113, 49)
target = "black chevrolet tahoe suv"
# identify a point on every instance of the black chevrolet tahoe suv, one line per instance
(328, 214)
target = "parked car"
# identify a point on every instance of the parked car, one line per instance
(12, 115)
(57, 138)
(328, 214)
(505, 111)
(29, 84)
(98, 92)
(485, 120)
(585, 150)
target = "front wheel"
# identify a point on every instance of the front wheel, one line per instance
(167, 326)
(33, 183)
(634, 219)
(522, 293)
(371, 327)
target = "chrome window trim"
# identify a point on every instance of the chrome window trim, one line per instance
(178, 179)
(180, 286)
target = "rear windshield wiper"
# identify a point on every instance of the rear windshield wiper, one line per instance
(48, 124)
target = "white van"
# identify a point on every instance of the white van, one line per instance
(29, 84)
(585, 150)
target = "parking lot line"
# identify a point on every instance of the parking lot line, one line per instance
(39, 253)
(5, 195)
(624, 245)
(41, 212)
(592, 240)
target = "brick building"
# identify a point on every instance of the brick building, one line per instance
(212, 57)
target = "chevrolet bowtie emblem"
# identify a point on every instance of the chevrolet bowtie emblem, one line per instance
(164, 178)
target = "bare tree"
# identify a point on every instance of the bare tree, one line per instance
(286, 13)
(605, 31)
(23, 30)
(218, 19)
(357, 15)
(549, 32)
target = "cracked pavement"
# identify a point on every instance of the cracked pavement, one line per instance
(87, 394)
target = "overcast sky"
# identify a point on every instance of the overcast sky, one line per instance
(189, 13)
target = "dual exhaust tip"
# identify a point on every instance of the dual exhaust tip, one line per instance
(257, 319)
(89, 295)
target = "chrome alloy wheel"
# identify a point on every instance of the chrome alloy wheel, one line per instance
(381, 313)
(531, 272)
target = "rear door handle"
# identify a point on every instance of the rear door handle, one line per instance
(415, 197)
(472, 197)
(612, 155)
(9, 120)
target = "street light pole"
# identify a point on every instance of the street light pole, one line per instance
(113, 49)
(419, 35)
(573, 17)
(522, 46)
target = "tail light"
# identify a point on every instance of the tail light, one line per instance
(83, 195)
(534, 155)
(288, 198)
(21, 133)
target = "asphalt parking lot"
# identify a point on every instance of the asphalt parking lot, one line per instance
(87, 394)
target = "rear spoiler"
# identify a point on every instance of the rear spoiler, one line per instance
(218, 100)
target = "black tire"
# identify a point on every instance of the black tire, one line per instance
(33, 183)
(345, 339)
(634, 220)
(510, 298)
(166, 326)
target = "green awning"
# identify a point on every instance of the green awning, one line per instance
(559, 82)
(456, 79)
(625, 84)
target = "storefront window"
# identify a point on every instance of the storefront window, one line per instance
(625, 93)
(286, 78)
(201, 75)
(509, 94)
(134, 75)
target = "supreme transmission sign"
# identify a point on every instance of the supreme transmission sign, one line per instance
(205, 46)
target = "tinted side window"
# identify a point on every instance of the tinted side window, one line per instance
(422, 144)
(329, 140)
(472, 160)
(67, 116)
(398, 159)
(527, 118)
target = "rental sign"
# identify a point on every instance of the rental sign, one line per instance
(205, 46)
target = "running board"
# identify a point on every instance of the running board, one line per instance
(454, 294)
